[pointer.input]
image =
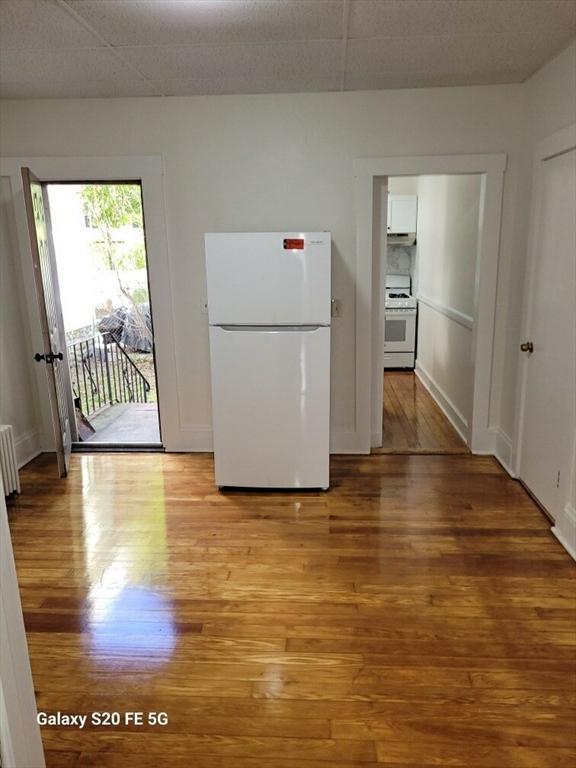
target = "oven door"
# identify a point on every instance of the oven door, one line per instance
(399, 330)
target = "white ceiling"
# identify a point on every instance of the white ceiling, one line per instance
(82, 48)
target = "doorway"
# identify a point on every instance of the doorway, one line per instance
(412, 420)
(148, 171)
(430, 245)
(370, 173)
(99, 247)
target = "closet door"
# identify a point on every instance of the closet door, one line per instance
(548, 419)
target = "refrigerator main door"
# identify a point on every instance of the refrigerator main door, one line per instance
(260, 279)
(270, 405)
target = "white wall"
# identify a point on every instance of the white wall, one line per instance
(552, 95)
(272, 162)
(448, 230)
(17, 389)
(403, 185)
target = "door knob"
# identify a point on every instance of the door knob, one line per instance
(527, 346)
(50, 357)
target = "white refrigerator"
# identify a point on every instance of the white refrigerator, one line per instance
(269, 304)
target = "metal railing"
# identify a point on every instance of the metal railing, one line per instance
(104, 374)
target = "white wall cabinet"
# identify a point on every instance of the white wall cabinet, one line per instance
(402, 212)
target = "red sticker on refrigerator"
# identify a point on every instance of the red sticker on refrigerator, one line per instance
(293, 244)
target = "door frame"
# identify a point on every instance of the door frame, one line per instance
(148, 170)
(20, 739)
(558, 143)
(370, 306)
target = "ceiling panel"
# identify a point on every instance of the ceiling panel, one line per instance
(249, 61)
(375, 82)
(63, 66)
(38, 24)
(377, 56)
(43, 88)
(139, 47)
(168, 22)
(412, 18)
(239, 85)
(457, 57)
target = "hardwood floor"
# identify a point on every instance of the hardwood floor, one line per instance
(418, 614)
(412, 422)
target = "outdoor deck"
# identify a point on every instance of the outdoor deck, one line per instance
(126, 423)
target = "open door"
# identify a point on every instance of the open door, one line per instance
(53, 354)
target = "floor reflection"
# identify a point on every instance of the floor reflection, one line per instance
(130, 617)
(136, 623)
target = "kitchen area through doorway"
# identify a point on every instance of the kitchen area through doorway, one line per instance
(432, 238)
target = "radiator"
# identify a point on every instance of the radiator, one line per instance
(8, 463)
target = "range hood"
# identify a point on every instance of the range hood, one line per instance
(399, 238)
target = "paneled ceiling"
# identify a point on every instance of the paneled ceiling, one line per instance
(83, 48)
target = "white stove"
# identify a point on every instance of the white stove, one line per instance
(400, 322)
(398, 292)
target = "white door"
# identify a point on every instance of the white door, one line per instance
(271, 406)
(268, 278)
(548, 420)
(54, 353)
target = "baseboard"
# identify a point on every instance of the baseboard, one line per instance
(27, 447)
(503, 449)
(565, 529)
(344, 441)
(190, 440)
(565, 524)
(447, 406)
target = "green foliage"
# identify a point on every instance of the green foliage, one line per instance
(111, 206)
(140, 295)
(135, 258)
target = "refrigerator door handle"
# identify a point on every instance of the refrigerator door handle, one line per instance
(272, 328)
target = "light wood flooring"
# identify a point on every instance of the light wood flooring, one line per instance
(418, 614)
(412, 421)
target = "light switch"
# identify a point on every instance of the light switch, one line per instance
(336, 308)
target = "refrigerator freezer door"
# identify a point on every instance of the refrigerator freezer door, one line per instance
(270, 405)
(260, 279)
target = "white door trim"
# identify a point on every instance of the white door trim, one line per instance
(369, 316)
(149, 170)
(20, 740)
